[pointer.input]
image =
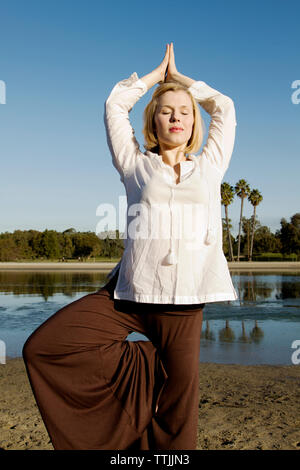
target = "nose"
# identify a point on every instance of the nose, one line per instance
(174, 117)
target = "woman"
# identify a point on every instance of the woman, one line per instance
(94, 389)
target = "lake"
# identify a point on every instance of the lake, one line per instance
(258, 328)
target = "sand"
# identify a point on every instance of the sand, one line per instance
(241, 266)
(240, 407)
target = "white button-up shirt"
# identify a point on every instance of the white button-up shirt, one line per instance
(173, 238)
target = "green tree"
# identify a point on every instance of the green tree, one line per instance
(22, 246)
(86, 244)
(227, 196)
(34, 237)
(290, 235)
(242, 190)
(295, 220)
(49, 245)
(265, 241)
(7, 248)
(67, 248)
(255, 198)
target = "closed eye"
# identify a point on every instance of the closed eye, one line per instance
(168, 112)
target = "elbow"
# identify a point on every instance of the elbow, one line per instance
(228, 101)
(107, 105)
(229, 108)
(106, 112)
(109, 109)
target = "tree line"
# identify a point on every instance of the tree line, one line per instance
(253, 238)
(52, 245)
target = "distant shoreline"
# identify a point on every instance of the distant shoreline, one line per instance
(103, 266)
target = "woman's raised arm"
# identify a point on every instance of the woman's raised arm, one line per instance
(123, 146)
(158, 75)
(221, 136)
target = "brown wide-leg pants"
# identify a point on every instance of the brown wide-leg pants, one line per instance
(97, 390)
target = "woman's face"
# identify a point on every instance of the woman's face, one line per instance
(174, 119)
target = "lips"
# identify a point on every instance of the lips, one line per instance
(175, 129)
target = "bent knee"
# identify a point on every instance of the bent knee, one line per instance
(31, 348)
(27, 350)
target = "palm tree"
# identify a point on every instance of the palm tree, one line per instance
(227, 195)
(246, 227)
(255, 198)
(242, 189)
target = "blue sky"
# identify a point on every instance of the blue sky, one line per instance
(59, 59)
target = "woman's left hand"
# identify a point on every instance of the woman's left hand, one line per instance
(172, 73)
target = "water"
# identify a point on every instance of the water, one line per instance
(258, 328)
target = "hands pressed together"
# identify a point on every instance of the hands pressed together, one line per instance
(167, 71)
(167, 68)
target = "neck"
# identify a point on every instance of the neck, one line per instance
(172, 156)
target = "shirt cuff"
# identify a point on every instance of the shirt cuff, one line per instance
(134, 80)
(201, 91)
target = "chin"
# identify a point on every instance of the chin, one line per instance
(176, 143)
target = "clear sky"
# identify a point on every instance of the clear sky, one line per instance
(59, 59)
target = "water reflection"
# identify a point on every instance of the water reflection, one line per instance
(257, 333)
(254, 287)
(207, 333)
(290, 290)
(251, 287)
(259, 327)
(228, 335)
(244, 338)
(47, 284)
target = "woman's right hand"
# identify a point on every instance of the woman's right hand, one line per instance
(158, 75)
(162, 68)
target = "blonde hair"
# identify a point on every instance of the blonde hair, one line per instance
(151, 141)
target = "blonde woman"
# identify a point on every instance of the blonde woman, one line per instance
(94, 388)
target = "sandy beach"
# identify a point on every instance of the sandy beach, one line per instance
(243, 266)
(240, 407)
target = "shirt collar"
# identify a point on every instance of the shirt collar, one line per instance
(158, 157)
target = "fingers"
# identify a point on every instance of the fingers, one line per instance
(171, 54)
(167, 67)
(167, 54)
